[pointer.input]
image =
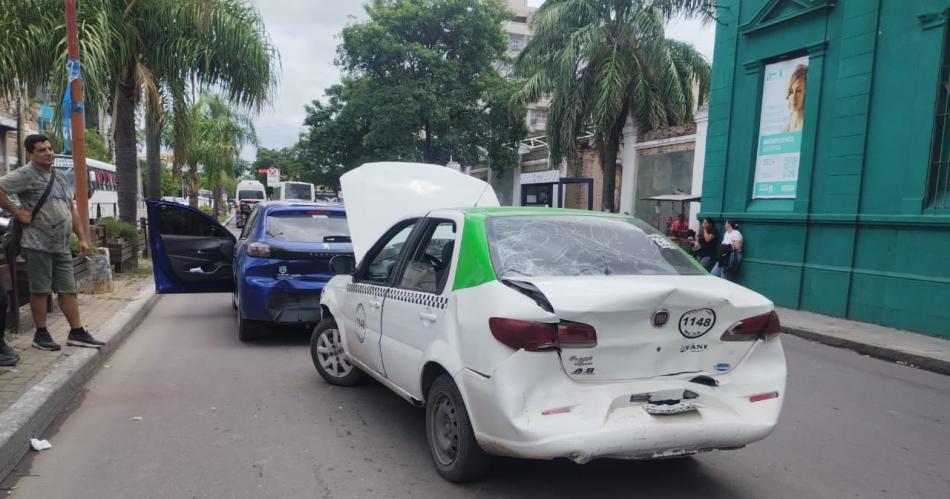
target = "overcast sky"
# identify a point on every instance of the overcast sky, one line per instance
(306, 33)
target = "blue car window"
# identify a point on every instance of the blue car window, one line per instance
(307, 226)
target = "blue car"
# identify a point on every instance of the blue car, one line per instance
(275, 269)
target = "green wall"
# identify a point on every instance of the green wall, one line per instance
(859, 240)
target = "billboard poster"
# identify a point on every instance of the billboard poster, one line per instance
(273, 177)
(780, 129)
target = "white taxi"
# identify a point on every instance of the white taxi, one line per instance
(542, 333)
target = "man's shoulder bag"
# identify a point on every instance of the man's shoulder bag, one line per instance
(10, 241)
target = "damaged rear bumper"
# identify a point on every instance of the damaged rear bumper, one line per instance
(528, 408)
(282, 300)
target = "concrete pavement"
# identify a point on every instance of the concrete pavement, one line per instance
(34, 392)
(925, 352)
(190, 411)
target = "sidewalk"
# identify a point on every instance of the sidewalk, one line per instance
(905, 347)
(35, 391)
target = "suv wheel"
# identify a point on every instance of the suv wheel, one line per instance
(455, 452)
(326, 349)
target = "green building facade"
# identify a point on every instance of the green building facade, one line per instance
(829, 142)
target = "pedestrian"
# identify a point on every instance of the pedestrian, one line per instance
(679, 226)
(45, 240)
(669, 226)
(730, 253)
(707, 244)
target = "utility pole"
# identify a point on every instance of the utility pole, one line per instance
(77, 117)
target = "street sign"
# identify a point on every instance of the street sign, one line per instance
(273, 177)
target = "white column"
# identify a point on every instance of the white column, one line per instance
(628, 183)
(699, 162)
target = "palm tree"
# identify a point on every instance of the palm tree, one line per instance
(134, 49)
(213, 135)
(604, 61)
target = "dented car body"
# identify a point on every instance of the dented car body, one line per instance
(544, 333)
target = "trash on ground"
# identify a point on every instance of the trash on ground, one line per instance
(39, 445)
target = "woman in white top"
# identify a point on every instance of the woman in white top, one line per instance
(730, 253)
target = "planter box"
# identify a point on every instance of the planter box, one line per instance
(120, 253)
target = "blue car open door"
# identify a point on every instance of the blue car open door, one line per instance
(191, 252)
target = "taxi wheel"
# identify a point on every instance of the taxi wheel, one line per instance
(455, 452)
(326, 349)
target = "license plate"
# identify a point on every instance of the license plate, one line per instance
(669, 409)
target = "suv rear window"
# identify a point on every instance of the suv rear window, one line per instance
(250, 195)
(555, 245)
(307, 227)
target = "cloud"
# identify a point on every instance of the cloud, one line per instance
(306, 33)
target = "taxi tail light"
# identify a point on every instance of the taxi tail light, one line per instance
(760, 327)
(259, 250)
(535, 336)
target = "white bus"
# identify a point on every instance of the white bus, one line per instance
(293, 191)
(104, 201)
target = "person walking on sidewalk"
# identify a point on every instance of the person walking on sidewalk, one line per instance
(45, 240)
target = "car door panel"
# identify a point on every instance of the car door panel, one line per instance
(191, 252)
(414, 316)
(199, 259)
(366, 296)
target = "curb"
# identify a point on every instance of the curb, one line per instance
(939, 366)
(42, 403)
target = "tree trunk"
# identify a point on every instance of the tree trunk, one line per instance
(608, 158)
(126, 163)
(20, 129)
(193, 186)
(153, 157)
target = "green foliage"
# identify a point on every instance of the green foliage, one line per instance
(169, 186)
(74, 244)
(96, 147)
(119, 228)
(210, 134)
(602, 61)
(421, 83)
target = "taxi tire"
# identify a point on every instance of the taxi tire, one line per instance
(353, 378)
(471, 462)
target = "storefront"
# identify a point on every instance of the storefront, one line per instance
(829, 142)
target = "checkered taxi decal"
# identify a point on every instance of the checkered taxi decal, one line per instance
(418, 298)
(367, 289)
(403, 295)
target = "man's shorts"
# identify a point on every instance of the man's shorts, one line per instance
(49, 272)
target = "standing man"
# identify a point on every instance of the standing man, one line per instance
(45, 241)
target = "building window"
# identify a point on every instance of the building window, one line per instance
(938, 185)
(520, 19)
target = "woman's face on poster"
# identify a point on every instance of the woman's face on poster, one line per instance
(796, 95)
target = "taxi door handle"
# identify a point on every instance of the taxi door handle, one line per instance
(428, 317)
(375, 305)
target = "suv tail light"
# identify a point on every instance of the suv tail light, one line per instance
(534, 336)
(760, 327)
(259, 250)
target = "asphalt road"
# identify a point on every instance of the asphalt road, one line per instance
(186, 410)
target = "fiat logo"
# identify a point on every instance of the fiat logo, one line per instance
(660, 317)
